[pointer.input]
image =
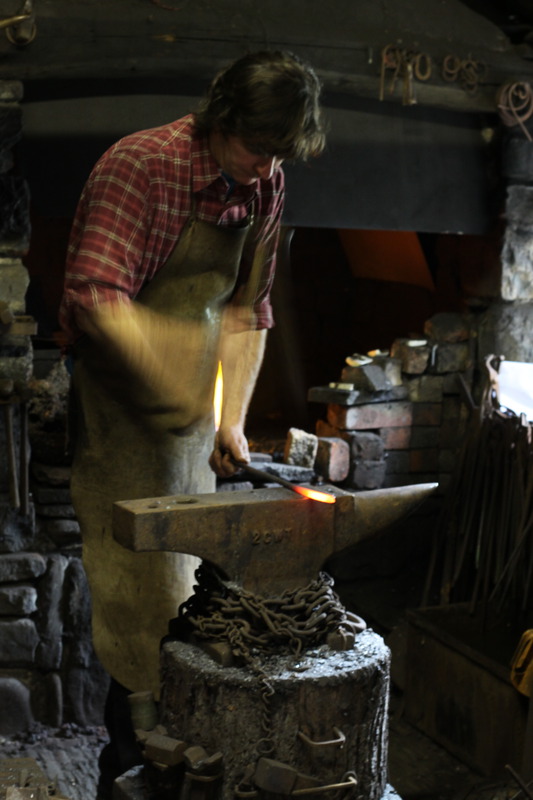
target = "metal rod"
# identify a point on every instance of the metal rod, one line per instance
(11, 456)
(522, 784)
(263, 475)
(24, 460)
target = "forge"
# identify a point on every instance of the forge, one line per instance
(270, 687)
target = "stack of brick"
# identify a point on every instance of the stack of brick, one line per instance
(325, 456)
(55, 516)
(403, 414)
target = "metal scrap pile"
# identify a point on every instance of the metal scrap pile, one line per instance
(484, 546)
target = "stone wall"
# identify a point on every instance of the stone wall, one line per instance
(506, 328)
(48, 671)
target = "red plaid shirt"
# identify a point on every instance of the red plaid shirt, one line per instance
(135, 205)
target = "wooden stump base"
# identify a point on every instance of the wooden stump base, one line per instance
(327, 713)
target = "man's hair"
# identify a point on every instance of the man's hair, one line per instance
(270, 100)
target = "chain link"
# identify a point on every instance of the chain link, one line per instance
(253, 626)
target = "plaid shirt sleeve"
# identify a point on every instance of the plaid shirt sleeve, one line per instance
(105, 255)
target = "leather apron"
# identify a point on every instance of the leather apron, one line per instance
(120, 454)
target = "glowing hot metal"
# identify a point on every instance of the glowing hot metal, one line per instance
(311, 494)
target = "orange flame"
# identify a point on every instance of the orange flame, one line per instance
(218, 396)
(312, 494)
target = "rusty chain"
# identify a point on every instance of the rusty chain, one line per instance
(253, 625)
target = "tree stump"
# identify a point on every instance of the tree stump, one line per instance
(326, 716)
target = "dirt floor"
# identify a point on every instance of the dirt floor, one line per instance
(418, 769)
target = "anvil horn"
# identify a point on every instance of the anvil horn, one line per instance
(266, 540)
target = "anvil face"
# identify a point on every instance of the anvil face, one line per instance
(265, 540)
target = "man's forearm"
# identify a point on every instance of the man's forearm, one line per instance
(151, 351)
(242, 356)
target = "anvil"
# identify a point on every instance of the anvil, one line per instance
(265, 540)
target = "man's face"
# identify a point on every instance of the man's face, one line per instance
(244, 165)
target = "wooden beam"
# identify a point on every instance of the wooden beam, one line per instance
(182, 45)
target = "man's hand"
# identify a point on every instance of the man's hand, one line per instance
(158, 360)
(241, 356)
(230, 445)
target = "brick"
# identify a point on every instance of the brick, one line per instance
(14, 280)
(365, 446)
(21, 566)
(332, 394)
(371, 416)
(426, 389)
(424, 460)
(398, 461)
(452, 358)
(354, 397)
(164, 749)
(396, 438)
(392, 368)
(15, 702)
(414, 359)
(56, 511)
(300, 448)
(367, 377)
(367, 474)
(447, 327)
(54, 476)
(19, 600)
(427, 413)
(18, 641)
(50, 625)
(62, 527)
(333, 458)
(323, 428)
(49, 495)
(422, 436)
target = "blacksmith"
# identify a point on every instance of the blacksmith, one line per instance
(170, 266)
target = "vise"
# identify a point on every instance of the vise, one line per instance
(267, 541)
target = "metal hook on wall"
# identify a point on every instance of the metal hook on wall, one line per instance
(21, 28)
